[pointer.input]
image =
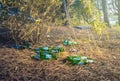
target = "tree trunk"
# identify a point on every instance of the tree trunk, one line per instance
(65, 6)
(118, 12)
(104, 8)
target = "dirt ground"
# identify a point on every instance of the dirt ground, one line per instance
(17, 65)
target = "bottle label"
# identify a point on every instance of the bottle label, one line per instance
(45, 48)
(48, 56)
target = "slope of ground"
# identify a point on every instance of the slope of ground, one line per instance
(17, 65)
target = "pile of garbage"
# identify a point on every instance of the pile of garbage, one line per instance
(51, 53)
(68, 42)
(47, 53)
(79, 60)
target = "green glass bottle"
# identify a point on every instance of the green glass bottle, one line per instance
(83, 60)
(37, 49)
(44, 48)
(48, 56)
(59, 48)
(74, 59)
(36, 57)
(54, 56)
(43, 54)
(69, 43)
(83, 57)
(54, 51)
(74, 43)
(65, 42)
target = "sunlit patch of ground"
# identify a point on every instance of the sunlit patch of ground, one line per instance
(18, 65)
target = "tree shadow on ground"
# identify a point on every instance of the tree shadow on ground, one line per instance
(5, 38)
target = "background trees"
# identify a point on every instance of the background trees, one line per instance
(118, 6)
(63, 12)
(26, 18)
(112, 11)
(105, 12)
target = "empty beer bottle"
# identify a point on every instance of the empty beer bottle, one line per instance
(36, 57)
(48, 56)
(54, 51)
(37, 49)
(83, 57)
(54, 56)
(67, 42)
(59, 48)
(44, 48)
(43, 55)
(37, 52)
(74, 59)
(83, 60)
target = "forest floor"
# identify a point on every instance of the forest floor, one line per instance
(17, 65)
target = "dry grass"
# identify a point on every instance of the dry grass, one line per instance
(17, 65)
